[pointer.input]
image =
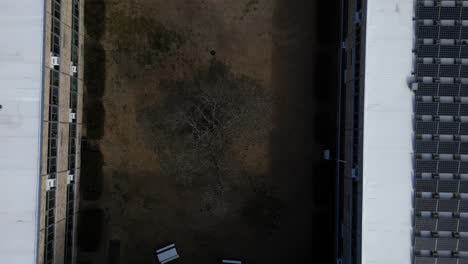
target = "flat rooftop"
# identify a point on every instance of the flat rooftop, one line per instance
(21, 81)
(388, 129)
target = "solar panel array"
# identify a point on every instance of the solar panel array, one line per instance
(441, 89)
(73, 135)
(53, 123)
(441, 124)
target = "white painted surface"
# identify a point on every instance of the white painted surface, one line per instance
(21, 48)
(232, 261)
(387, 148)
(168, 255)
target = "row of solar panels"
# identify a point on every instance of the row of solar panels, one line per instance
(442, 51)
(442, 12)
(441, 166)
(436, 186)
(442, 147)
(441, 128)
(440, 205)
(442, 32)
(441, 89)
(445, 243)
(432, 260)
(442, 70)
(440, 224)
(435, 108)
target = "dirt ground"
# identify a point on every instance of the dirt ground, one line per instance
(238, 184)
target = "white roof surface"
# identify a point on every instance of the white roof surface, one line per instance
(21, 73)
(387, 146)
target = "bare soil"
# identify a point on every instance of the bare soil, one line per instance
(200, 123)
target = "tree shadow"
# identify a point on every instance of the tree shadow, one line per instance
(91, 169)
(89, 231)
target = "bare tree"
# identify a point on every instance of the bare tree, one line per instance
(196, 121)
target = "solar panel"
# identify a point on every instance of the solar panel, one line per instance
(424, 260)
(463, 244)
(464, 52)
(464, 71)
(426, 166)
(463, 147)
(448, 186)
(428, 31)
(423, 108)
(423, 185)
(463, 167)
(449, 70)
(447, 224)
(428, 12)
(448, 128)
(464, 13)
(425, 224)
(424, 243)
(464, 109)
(463, 207)
(449, 51)
(449, 147)
(463, 90)
(450, 32)
(447, 243)
(463, 225)
(464, 33)
(426, 146)
(464, 186)
(427, 70)
(427, 89)
(447, 260)
(425, 205)
(449, 205)
(450, 13)
(448, 166)
(449, 109)
(449, 90)
(432, 51)
(463, 129)
(423, 127)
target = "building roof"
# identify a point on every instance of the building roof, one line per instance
(387, 146)
(21, 81)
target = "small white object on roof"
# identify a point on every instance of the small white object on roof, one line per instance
(51, 183)
(232, 261)
(71, 115)
(70, 178)
(167, 254)
(54, 61)
(73, 69)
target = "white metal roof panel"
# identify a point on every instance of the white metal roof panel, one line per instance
(21, 80)
(387, 145)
